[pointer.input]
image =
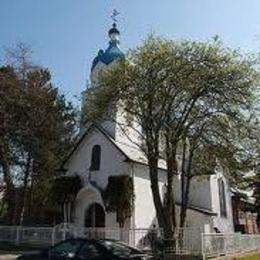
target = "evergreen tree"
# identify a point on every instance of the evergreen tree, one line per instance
(38, 128)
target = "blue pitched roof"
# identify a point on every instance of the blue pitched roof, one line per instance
(112, 53)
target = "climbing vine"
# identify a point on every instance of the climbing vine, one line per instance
(119, 197)
(64, 190)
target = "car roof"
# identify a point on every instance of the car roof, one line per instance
(92, 239)
(102, 240)
(97, 242)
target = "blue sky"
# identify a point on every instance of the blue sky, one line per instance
(65, 35)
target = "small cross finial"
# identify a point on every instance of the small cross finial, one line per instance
(114, 15)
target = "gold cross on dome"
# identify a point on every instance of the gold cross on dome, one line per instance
(114, 15)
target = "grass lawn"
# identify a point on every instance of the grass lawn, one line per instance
(249, 257)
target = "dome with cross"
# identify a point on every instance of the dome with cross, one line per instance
(113, 52)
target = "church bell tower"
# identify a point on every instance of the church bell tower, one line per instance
(103, 60)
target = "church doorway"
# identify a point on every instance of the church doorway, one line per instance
(95, 216)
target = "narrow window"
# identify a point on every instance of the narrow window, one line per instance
(222, 198)
(95, 158)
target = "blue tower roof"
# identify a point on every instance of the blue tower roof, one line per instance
(113, 52)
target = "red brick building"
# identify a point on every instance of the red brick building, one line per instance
(245, 217)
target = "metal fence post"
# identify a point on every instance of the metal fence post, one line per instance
(53, 236)
(225, 245)
(241, 244)
(17, 238)
(203, 246)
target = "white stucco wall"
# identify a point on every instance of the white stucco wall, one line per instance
(144, 213)
(197, 220)
(112, 163)
(204, 193)
(127, 130)
(199, 194)
(144, 208)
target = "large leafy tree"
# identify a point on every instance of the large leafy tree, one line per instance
(8, 129)
(215, 141)
(190, 94)
(38, 127)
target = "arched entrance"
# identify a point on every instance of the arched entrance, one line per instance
(86, 198)
(95, 216)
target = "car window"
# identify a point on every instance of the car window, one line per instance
(118, 249)
(90, 251)
(65, 249)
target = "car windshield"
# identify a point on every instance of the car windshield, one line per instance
(118, 248)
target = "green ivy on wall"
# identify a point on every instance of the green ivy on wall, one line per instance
(65, 188)
(119, 197)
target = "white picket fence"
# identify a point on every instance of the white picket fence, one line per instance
(214, 245)
(187, 240)
(27, 235)
(51, 235)
(145, 239)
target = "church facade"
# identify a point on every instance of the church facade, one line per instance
(104, 150)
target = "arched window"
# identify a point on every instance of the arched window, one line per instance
(222, 198)
(95, 158)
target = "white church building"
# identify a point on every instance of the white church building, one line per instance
(104, 150)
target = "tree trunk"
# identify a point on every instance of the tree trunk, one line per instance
(65, 215)
(184, 207)
(10, 189)
(153, 171)
(183, 184)
(186, 177)
(24, 189)
(169, 205)
(165, 213)
(170, 200)
(30, 198)
(69, 212)
(152, 156)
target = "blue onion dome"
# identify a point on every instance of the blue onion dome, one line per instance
(113, 52)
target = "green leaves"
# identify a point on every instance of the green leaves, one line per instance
(37, 128)
(183, 86)
(64, 189)
(119, 197)
(200, 94)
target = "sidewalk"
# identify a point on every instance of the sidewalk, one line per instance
(10, 255)
(7, 256)
(249, 255)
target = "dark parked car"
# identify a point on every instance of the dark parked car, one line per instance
(80, 249)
